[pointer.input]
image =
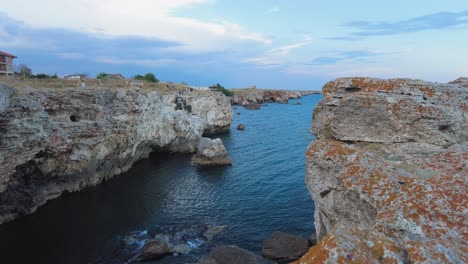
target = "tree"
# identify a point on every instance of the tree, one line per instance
(24, 70)
(139, 77)
(102, 75)
(218, 87)
(42, 76)
(149, 77)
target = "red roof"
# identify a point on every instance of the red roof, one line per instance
(7, 54)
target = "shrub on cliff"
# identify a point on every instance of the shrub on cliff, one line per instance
(218, 87)
(149, 77)
(102, 75)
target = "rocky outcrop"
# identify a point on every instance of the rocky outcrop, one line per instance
(253, 98)
(388, 172)
(211, 152)
(214, 109)
(284, 248)
(56, 140)
(233, 255)
(463, 81)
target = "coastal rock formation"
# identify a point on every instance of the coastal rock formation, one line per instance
(56, 140)
(388, 172)
(463, 81)
(284, 248)
(211, 152)
(252, 98)
(233, 255)
(214, 109)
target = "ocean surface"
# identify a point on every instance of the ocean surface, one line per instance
(262, 192)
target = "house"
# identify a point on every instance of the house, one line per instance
(6, 63)
(76, 76)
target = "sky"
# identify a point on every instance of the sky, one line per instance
(294, 44)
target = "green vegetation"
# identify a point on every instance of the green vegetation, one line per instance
(102, 75)
(149, 77)
(218, 87)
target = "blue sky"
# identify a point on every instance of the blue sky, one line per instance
(269, 43)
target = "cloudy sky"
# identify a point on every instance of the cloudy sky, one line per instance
(298, 44)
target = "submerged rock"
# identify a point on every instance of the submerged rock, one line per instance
(388, 172)
(284, 248)
(211, 152)
(213, 231)
(298, 103)
(241, 127)
(153, 249)
(233, 255)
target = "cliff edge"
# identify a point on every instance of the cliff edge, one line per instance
(57, 140)
(388, 172)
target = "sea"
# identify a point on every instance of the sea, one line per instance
(262, 192)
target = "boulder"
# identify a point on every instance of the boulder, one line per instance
(233, 255)
(388, 172)
(211, 152)
(153, 249)
(284, 248)
(241, 127)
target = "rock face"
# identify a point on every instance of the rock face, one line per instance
(56, 140)
(253, 98)
(211, 152)
(463, 81)
(214, 109)
(233, 255)
(284, 248)
(388, 172)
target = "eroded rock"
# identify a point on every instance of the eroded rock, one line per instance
(211, 152)
(388, 172)
(233, 255)
(56, 140)
(284, 248)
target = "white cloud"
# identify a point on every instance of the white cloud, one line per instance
(279, 55)
(140, 62)
(274, 9)
(70, 55)
(144, 18)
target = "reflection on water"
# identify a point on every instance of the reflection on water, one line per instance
(262, 192)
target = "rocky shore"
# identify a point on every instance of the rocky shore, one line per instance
(388, 172)
(253, 98)
(63, 140)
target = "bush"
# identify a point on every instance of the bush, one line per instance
(102, 75)
(149, 77)
(42, 76)
(218, 87)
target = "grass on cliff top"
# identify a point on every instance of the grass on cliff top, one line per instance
(90, 84)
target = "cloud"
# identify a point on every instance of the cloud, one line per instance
(344, 56)
(436, 21)
(139, 62)
(274, 9)
(279, 55)
(153, 19)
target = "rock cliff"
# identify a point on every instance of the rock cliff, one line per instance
(57, 140)
(388, 172)
(248, 97)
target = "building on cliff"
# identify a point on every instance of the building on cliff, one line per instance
(6, 63)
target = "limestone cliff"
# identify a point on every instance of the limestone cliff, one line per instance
(247, 97)
(56, 140)
(388, 172)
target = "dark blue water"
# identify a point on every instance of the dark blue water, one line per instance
(262, 192)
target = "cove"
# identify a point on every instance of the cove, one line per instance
(262, 192)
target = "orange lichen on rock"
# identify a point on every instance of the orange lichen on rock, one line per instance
(393, 169)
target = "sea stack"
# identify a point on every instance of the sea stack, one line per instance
(211, 152)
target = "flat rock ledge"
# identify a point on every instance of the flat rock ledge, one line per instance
(211, 152)
(233, 255)
(388, 172)
(284, 248)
